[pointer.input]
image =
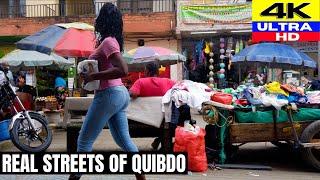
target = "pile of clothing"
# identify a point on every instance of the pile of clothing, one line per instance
(276, 95)
(272, 94)
(185, 92)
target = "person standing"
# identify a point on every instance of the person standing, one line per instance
(112, 98)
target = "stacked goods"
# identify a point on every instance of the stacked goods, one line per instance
(272, 94)
(51, 103)
(40, 103)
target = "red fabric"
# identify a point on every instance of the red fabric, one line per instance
(76, 43)
(27, 105)
(151, 86)
(194, 145)
(222, 98)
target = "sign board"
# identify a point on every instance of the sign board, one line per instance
(204, 14)
(305, 46)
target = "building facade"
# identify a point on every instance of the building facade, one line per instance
(151, 21)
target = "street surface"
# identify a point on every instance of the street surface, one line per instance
(285, 164)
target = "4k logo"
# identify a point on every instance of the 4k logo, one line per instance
(291, 10)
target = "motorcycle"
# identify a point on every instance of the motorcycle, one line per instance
(29, 131)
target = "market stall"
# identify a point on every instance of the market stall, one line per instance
(75, 41)
(271, 60)
(273, 112)
(33, 62)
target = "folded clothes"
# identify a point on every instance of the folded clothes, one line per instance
(313, 97)
(272, 100)
(275, 88)
(294, 98)
(289, 88)
(250, 97)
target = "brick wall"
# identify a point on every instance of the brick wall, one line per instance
(153, 25)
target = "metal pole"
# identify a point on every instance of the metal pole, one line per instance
(318, 60)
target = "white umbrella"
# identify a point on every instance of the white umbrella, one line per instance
(26, 58)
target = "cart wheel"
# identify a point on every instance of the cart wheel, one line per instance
(311, 134)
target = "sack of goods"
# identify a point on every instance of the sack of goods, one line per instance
(190, 139)
(89, 66)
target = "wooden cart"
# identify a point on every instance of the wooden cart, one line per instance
(302, 135)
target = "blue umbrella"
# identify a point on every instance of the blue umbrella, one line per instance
(307, 61)
(274, 52)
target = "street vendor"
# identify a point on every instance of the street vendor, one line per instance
(151, 85)
(26, 93)
(60, 90)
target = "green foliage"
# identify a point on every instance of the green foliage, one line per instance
(1, 54)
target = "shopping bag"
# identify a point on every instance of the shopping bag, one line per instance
(193, 143)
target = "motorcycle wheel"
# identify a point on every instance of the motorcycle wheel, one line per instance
(25, 140)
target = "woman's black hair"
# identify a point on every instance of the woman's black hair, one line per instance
(109, 24)
(153, 69)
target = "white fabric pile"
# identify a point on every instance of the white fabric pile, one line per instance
(185, 92)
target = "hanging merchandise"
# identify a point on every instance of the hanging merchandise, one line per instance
(221, 73)
(207, 48)
(229, 51)
(211, 67)
(199, 52)
(237, 47)
(31, 78)
(240, 45)
(72, 72)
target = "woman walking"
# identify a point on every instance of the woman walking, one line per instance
(112, 98)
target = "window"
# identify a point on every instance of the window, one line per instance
(135, 6)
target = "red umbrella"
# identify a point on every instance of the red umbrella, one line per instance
(76, 43)
(67, 40)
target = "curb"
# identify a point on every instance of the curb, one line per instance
(6, 145)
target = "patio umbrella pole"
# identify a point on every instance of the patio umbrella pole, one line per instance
(37, 90)
(239, 72)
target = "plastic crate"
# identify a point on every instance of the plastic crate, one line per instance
(4, 130)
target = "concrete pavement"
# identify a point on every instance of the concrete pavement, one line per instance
(285, 163)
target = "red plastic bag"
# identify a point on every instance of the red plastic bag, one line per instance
(222, 98)
(194, 145)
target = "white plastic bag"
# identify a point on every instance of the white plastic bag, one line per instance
(193, 129)
(2, 77)
(87, 66)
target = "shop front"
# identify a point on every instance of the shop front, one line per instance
(312, 49)
(209, 36)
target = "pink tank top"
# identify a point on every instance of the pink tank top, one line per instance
(102, 54)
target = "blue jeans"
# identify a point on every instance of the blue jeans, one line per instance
(108, 107)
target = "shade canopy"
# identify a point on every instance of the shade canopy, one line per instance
(67, 40)
(137, 58)
(274, 52)
(26, 58)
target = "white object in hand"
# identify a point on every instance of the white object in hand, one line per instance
(84, 67)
